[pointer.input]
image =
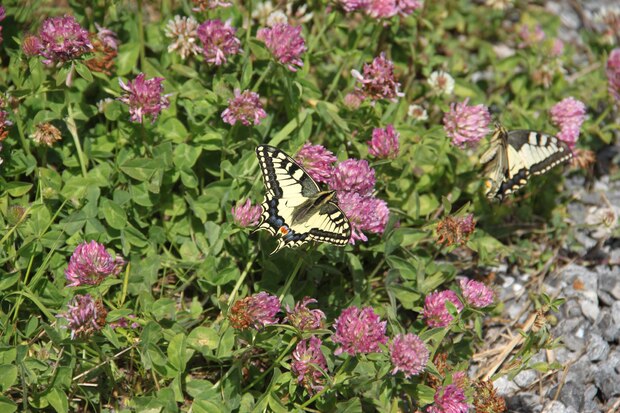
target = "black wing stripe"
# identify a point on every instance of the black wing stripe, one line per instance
(536, 153)
(284, 178)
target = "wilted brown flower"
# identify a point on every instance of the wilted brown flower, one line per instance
(583, 158)
(485, 398)
(46, 134)
(104, 55)
(455, 230)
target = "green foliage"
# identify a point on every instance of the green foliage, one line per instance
(160, 195)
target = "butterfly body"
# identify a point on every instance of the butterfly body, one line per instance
(295, 210)
(516, 155)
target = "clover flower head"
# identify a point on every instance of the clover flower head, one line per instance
(303, 318)
(466, 124)
(365, 213)
(204, 5)
(613, 74)
(31, 45)
(568, 115)
(246, 214)
(377, 80)
(408, 354)
(441, 82)
(381, 9)
(285, 44)
(353, 100)
(5, 124)
(46, 134)
(62, 39)
(244, 107)
(417, 113)
(557, 47)
(352, 5)
(455, 230)
(84, 316)
(407, 7)
(276, 17)
(449, 399)
(257, 311)
(359, 331)
(107, 37)
(90, 264)
(218, 41)
(353, 175)
(183, 32)
(476, 293)
(531, 37)
(144, 97)
(436, 313)
(384, 143)
(317, 161)
(308, 360)
(125, 322)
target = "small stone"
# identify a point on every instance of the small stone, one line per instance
(571, 309)
(525, 378)
(523, 402)
(613, 359)
(589, 401)
(615, 312)
(609, 281)
(605, 298)
(555, 406)
(508, 281)
(597, 348)
(589, 305)
(571, 395)
(585, 240)
(607, 379)
(572, 332)
(505, 387)
(564, 356)
(609, 328)
(582, 371)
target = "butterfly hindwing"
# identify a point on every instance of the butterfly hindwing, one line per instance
(516, 155)
(295, 210)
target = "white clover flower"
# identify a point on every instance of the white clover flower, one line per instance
(276, 17)
(417, 112)
(262, 11)
(441, 82)
(183, 31)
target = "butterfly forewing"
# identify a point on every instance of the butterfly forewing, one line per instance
(520, 154)
(295, 210)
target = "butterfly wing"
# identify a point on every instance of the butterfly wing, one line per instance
(495, 160)
(290, 189)
(516, 155)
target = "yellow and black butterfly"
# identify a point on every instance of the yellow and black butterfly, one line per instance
(295, 210)
(516, 155)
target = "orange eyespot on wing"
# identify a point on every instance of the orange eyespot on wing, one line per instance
(283, 230)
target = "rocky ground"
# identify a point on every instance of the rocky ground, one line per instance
(586, 272)
(588, 324)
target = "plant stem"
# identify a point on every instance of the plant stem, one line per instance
(20, 130)
(289, 280)
(262, 77)
(246, 270)
(273, 365)
(141, 35)
(76, 139)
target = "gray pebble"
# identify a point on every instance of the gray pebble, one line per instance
(525, 378)
(597, 348)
